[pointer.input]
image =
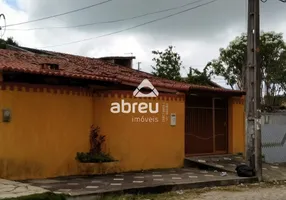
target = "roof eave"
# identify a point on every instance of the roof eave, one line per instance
(60, 74)
(218, 91)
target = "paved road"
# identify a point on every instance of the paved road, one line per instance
(119, 182)
(272, 193)
(12, 189)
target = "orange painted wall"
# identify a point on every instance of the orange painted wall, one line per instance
(47, 130)
(236, 125)
(143, 145)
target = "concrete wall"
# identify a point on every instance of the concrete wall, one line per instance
(273, 137)
(50, 125)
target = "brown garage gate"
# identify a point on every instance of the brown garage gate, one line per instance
(206, 125)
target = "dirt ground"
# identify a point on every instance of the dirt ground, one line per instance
(262, 191)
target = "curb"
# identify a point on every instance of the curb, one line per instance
(156, 189)
(192, 163)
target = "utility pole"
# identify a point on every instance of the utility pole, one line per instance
(253, 83)
(139, 66)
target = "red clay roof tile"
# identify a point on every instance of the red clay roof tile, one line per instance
(88, 68)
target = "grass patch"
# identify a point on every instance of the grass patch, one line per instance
(43, 196)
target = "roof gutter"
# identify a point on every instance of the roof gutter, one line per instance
(218, 90)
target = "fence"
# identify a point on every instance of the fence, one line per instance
(274, 137)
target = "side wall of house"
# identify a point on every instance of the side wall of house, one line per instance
(236, 125)
(49, 126)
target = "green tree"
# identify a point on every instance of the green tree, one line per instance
(197, 77)
(232, 61)
(167, 64)
(8, 41)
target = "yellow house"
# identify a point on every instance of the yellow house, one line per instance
(50, 100)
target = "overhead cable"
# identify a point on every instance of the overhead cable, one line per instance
(61, 14)
(2, 28)
(110, 21)
(133, 27)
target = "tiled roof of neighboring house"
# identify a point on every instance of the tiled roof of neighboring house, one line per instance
(211, 83)
(118, 57)
(74, 66)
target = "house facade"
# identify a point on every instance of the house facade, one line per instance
(50, 100)
(214, 123)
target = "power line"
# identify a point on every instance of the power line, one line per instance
(283, 1)
(2, 27)
(57, 15)
(132, 27)
(111, 21)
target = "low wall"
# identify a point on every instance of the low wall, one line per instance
(274, 137)
(49, 126)
(143, 140)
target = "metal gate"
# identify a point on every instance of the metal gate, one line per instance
(206, 126)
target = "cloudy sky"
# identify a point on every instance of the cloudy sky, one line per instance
(197, 33)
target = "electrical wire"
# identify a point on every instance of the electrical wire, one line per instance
(2, 34)
(61, 14)
(264, 1)
(133, 27)
(111, 21)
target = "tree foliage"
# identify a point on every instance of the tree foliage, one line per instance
(232, 61)
(273, 63)
(8, 41)
(197, 77)
(167, 64)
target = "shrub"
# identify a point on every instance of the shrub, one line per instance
(87, 157)
(95, 154)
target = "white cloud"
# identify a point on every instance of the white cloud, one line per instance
(14, 16)
(197, 35)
